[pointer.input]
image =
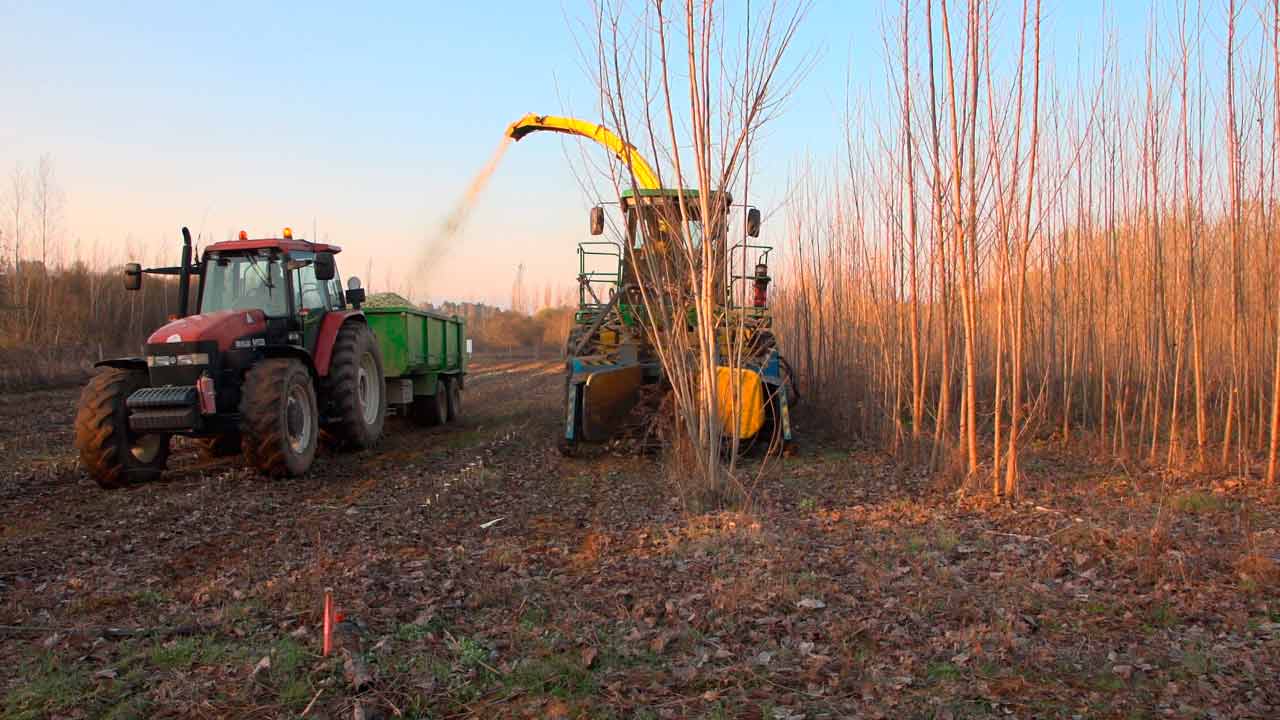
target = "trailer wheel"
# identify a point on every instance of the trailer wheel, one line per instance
(355, 388)
(431, 409)
(454, 399)
(279, 418)
(111, 453)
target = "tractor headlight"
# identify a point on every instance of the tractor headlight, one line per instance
(171, 360)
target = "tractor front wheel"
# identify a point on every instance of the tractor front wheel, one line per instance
(354, 388)
(279, 419)
(112, 454)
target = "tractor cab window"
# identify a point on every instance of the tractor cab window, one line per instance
(309, 293)
(336, 298)
(245, 281)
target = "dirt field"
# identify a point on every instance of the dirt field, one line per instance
(492, 578)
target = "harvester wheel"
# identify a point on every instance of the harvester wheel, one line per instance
(112, 454)
(454, 399)
(279, 418)
(219, 446)
(431, 409)
(567, 448)
(355, 389)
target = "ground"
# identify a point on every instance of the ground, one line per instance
(489, 577)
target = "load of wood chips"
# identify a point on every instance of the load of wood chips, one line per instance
(387, 299)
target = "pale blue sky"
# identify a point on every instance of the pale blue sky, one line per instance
(370, 120)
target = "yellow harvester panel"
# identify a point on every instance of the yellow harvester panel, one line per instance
(751, 398)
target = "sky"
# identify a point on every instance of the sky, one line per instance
(365, 124)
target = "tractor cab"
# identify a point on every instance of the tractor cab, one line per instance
(293, 283)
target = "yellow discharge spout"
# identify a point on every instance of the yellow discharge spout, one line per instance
(646, 178)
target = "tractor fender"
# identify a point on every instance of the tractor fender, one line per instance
(329, 327)
(292, 353)
(125, 363)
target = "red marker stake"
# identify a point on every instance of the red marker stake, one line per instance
(328, 621)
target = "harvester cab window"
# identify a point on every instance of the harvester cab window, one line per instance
(245, 282)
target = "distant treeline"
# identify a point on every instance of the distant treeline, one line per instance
(493, 329)
(55, 323)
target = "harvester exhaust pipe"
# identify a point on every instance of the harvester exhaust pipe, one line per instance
(184, 274)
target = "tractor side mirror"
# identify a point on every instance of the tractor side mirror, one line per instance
(325, 266)
(132, 276)
(753, 222)
(597, 220)
(355, 293)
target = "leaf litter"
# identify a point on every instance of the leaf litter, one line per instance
(854, 588)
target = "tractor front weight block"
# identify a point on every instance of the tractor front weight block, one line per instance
(164, 409)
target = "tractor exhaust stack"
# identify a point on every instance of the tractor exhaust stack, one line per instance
(184, 275)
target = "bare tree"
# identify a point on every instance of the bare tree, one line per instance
(1015, 403)
(17, 206)
(46, 204)
(677, 85)
(1275, 375)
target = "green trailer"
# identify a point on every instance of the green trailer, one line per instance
(424, 361)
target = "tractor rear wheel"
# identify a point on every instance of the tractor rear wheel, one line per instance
(279, 418)
(354, 389)
(454, 399)
(112, 454)
(431, 409)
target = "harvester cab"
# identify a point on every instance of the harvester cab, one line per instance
(614, 381)
(274, 352)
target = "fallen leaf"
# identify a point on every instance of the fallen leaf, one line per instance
(263, 664)
(589, 656)
(659, 643)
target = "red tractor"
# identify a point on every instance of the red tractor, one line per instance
(275, 351)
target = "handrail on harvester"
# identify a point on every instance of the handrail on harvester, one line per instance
(646, 178)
